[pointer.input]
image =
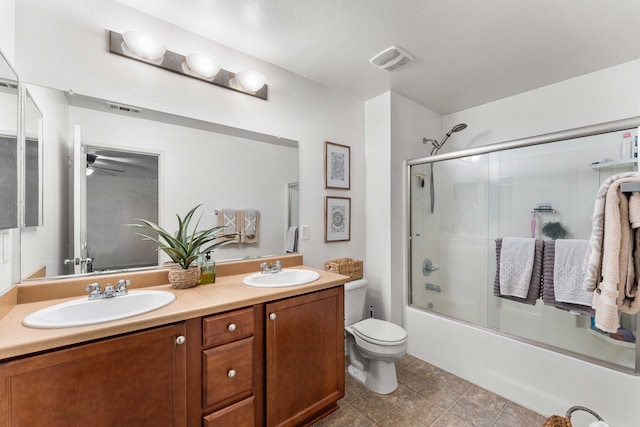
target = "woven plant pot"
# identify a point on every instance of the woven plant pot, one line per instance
(181, 278)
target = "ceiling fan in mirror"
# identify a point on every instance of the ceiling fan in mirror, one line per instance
(92, 166)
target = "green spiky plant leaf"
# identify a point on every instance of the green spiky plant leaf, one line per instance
(184, 246)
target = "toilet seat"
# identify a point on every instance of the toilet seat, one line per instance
(379, 332)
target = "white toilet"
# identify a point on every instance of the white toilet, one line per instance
(374, 345)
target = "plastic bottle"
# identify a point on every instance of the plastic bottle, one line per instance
(207, 270)
(626, 146)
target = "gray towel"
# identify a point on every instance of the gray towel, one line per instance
(536, 276)
(548, 291)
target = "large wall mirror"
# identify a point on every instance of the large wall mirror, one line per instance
(9, 164)
(113, 163)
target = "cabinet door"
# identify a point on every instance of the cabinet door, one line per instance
(133, 380)
(305, 357)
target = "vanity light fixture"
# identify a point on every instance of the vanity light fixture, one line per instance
(147, 48)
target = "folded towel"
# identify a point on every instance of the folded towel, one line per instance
(634, 209)
(516, 265)
(548, 288)
(292, 240)
(227, 219)
(536, 276)
(249, 226)
(568, 272)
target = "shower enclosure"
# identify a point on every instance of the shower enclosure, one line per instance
(518, 189)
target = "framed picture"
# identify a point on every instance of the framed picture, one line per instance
(337, 219)
(337, 166)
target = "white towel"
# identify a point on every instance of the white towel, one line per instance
(292, 240)
(516, 265)
(569, 272)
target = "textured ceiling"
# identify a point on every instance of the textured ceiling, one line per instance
(466, 52)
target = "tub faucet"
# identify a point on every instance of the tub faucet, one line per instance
(432, 287)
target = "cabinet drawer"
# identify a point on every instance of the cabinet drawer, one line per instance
(241, 414)
(228, 372)
(227, 327)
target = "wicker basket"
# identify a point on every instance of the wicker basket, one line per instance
(181, 278)
(346, 266)
(558, 421)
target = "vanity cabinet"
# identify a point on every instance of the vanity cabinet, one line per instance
(304, 357)
(137, 379)
(225, 369)
(274, 364)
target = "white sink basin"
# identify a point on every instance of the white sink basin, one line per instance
(286, 277)
(83, 311)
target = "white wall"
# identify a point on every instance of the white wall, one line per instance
(69, 51)
(394, 128)
(7, 8)
(546, 382)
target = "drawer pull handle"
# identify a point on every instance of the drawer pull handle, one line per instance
(231, 327)
(180, 340)
(272, 316)
(231, 373)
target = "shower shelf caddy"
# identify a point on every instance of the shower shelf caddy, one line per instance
(623, 162)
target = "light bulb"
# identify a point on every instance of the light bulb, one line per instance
(144, 45)
(202, 65)
(250, 81)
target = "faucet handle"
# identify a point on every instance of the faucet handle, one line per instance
(121, 287)
(94, 288)
(264, 267)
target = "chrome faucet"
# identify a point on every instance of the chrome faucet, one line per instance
(110, 291)
(271, 268)
(432, 287)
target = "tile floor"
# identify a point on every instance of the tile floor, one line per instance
(427, 397)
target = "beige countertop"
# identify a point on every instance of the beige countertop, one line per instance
(227, 293)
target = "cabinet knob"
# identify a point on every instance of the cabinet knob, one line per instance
(272, 316)
(231, 327)
(180, 340)
(231, 373)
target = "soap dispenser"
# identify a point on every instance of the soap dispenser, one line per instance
(207, 270)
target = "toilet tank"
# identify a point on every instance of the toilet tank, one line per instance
(354, 300)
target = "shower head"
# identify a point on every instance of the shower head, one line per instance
(436, 145)
(458, 127)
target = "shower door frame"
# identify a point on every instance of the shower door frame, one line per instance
(585, 131)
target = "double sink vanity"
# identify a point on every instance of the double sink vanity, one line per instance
(250, 349)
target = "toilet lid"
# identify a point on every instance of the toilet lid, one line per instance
(379, 330)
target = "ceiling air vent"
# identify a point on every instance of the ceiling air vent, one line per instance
(391, 58)
(9, 84)
(123, 108)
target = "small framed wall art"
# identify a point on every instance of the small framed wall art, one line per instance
(337, 219)
(337, 166)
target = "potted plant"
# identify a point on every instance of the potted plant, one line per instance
(184, 247)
